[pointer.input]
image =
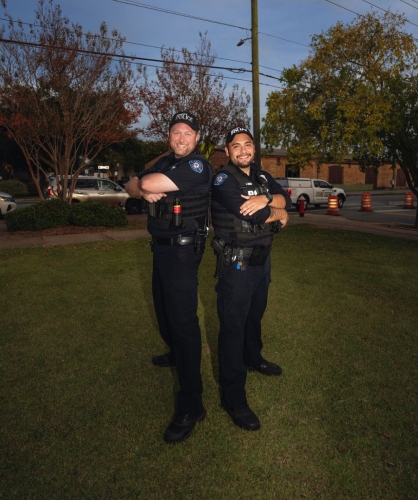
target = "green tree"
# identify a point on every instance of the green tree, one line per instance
(63, 97)
(356, 94)
(132, 154)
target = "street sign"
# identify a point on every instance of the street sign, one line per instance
(103, 167)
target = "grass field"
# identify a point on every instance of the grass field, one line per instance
(83, 410)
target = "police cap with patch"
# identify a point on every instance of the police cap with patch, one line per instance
(237, 130)
(185, 117)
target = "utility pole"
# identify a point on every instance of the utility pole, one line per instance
(256, 81)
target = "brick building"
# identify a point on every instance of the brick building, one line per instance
(346, 174)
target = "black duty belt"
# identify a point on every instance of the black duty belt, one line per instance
(179, 240)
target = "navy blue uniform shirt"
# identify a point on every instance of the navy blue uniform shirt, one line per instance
(228, 194)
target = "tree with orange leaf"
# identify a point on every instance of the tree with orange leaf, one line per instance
(188, 82)
(64, 95)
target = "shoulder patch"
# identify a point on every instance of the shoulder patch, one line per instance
(263, 177)
(220, 179)
(196, 166)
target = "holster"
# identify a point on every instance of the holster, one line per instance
(223, 254)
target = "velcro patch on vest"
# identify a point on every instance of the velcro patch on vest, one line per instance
(196, 166)
(220, 179)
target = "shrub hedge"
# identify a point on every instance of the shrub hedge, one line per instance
(13, 187)
(56, 213)
(97, 214)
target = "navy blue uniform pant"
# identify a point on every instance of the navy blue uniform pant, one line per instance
(174, 288)
(242, 300)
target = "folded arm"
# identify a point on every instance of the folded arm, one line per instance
(151, 187)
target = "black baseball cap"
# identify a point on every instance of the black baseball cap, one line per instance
(237, 130)
(185, 117)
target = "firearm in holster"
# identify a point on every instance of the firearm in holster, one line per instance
(223, 253)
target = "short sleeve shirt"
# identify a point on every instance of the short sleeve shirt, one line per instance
(192, 177)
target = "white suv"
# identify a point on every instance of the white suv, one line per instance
(97, 189)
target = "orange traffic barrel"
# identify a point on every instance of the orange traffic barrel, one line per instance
(333, 208)
(409, 200)
(366, 202)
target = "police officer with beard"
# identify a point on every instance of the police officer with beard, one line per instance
(177, 187)
(248, 208)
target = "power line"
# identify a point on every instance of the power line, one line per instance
(362, 15)
(280, 38)
(122, 56)
(130, 59)
(387, 11)
(409, 4)
(151, 46)
(166, 11)
(345, 8)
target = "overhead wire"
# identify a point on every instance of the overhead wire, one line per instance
(151, 46)
(175, 13)
(362, 15)
(413, 6)
(166, 11)
(387, 11)
(130, 59)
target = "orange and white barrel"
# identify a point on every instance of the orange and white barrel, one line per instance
(366, 202)
(408, 201)
(333, 208)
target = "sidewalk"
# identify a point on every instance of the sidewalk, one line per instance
(10, 240)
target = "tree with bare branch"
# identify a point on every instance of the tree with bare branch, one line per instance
(64, 95)
(192, 86)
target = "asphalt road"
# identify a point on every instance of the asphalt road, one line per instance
(386, 208)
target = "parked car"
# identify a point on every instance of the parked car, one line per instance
(97, 189)
(315, 191)
(7, 203)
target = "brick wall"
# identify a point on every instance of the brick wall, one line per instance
(276, 166)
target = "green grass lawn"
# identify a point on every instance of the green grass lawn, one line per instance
(83, 410)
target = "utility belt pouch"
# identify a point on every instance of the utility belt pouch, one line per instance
(259, 255)
(200, 240)
(152, 210)
(224, 257)
(276, 227)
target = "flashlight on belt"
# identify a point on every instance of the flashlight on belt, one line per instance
(176, 211)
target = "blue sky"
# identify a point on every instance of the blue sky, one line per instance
(291, 20)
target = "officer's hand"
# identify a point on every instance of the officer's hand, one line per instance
(285, 220)
(253, 204)
(153, 197)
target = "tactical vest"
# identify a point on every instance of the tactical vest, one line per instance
(193, 208)
(232, 226)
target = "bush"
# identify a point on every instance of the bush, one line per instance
(42, 215)
(56, 213)
(97, 214)
(15, 188)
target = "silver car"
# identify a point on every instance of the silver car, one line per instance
(97, 189)
(7, 203)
